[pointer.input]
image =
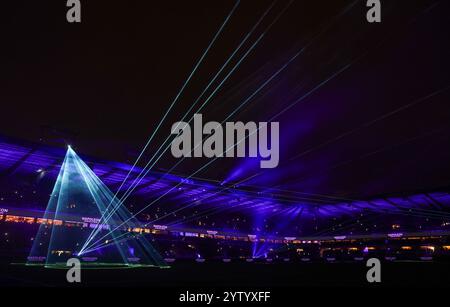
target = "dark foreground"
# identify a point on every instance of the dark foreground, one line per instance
(235, 275)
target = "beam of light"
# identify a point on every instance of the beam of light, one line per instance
(190, 204)
(284, 110)
(230, 115)
(350, 132)
(254, 249)
(102, 196)
(63, 185)
(271, 119)
(372, 122)
(147, 169)
(95, 193)
(181, 90)
(279, 15)
(381, 43)
(118, 240)
(174, 101)
(345, 10)
(135, 184)
(79, 192)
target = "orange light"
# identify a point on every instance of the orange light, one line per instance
(430, 248)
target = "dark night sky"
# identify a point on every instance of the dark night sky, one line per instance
(103, 85)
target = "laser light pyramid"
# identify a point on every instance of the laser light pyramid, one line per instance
(79, 204)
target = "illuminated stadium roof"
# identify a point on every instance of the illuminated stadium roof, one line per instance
(36, 160)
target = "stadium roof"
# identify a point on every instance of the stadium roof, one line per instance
(31, 160)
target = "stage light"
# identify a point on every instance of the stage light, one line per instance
(273, 76)
(133, 185)
(77, 184)
(174, 101)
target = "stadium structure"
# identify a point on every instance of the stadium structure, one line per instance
(206, 221)
(255, 143)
